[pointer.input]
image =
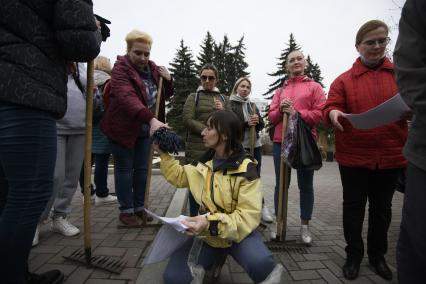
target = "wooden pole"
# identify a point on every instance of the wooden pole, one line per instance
(87, 162)
(151, 149)
(283, 190)
(252, 134)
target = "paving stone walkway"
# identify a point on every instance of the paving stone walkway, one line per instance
(320, 264)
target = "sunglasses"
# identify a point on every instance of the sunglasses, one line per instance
(381, 42)
(205, 78)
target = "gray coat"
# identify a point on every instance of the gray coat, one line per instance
(410, 65)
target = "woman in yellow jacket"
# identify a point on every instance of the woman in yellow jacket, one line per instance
(226, 185)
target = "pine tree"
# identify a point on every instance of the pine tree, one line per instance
(223, 60)
(313, 71)
(185, 81)
(281, 73)
(236, 65)
(207, 51)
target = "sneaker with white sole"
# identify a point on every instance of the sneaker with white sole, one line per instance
(305, 234)
(105, 200)
(63, 226)
(266, 215)
(36, 236)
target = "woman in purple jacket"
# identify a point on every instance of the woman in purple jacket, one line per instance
(129, 120)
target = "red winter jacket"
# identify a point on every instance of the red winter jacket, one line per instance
(358, 90)
(308, 97)
(127, 108)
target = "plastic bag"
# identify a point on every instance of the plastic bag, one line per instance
(299, 149)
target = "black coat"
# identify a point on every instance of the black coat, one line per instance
(37, 39)
(237, 108)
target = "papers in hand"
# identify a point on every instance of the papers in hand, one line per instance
(387, 112)
(173, 222)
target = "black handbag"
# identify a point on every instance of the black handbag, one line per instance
(304, 152)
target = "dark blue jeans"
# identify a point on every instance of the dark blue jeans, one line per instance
(27, 163)
(100, 175)
(130, 173)
(305, 182)
(251, 253)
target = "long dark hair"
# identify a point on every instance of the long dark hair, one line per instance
(227, 125)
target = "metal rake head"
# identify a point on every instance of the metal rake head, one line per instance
(108, 263)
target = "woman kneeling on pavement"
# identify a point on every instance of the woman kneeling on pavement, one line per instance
(225, 184)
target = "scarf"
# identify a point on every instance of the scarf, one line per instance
(246, 105)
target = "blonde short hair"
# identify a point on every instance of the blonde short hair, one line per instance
(137, 36)
(103, 63)
(238, 82)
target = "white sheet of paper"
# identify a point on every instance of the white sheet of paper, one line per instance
(387, 112)
(174, 222)
(165, 243)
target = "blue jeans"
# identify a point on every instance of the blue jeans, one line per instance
(27, 163)
(305, 182)
(251, 253)
(130, 173)
(100, 175)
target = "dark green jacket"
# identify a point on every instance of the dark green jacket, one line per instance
(197, 109)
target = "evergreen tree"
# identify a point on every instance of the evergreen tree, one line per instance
(207, 51)
(236, 64)
(313, 71)
(281, 73)
(185, 81)
(222, 59)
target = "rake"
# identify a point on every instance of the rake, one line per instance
(280, 243)
(107, 263)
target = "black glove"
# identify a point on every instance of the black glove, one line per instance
(105, 32)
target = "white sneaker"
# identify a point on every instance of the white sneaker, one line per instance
(266, 215)
(273, 231)
(105, 200)
(305, 234)
(36, 235)
(92, 199)
(63, 226)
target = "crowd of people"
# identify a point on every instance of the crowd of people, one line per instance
(42, 132)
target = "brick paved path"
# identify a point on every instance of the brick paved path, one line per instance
(321, 263)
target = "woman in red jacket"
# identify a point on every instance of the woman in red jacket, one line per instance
(129, 119)
(304, 95)
(369, 160)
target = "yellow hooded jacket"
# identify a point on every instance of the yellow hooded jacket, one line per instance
(231, 194)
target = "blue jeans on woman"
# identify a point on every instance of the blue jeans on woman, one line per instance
(27, 163)
(130, 174)
(305, 182)
(100, 175)
(251, 253)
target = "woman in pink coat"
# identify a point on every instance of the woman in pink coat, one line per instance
(304, 95)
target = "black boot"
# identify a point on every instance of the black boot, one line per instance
(350, 269)
(381, 268)
(48, 277)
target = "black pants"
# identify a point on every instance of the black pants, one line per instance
(378, 187)
(411, 249)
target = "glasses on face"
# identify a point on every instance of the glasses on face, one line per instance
(205, 78)
(381, 42)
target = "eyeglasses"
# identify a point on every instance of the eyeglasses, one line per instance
(210, 78)
(381, 42)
